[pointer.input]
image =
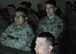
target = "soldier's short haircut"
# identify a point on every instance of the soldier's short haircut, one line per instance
(52, 2)
(11, 5)
(23, 3)
(49, 37)
(20, 9)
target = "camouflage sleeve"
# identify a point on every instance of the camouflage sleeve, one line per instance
(24, 41)
(57, 29)
(4, 37)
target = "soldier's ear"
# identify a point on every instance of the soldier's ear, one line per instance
(55, 8)
(26, 17)
(50, 48)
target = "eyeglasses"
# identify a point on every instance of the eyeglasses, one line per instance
(20, 17)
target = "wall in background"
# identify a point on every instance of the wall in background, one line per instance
(4, 3)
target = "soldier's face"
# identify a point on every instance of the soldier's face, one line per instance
(19, 18)
(41, 46)
(50, 9)
(11, 10)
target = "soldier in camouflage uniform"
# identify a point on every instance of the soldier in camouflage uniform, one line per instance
(19, 35)
(51, 23)
(44, 43)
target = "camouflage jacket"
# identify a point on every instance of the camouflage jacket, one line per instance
(54, 26)
(18, 37)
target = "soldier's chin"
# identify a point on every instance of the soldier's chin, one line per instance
(48, 15)
(18, 24)
(37, 52)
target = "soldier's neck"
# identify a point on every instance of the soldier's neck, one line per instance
(50, 17)
(50, 53)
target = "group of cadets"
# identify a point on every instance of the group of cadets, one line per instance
(22, 27)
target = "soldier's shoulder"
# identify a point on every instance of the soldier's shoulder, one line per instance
(27, 27)
(59, 19)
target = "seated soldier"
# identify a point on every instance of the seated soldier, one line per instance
(51, 23)
(18, 35)
(44, 43)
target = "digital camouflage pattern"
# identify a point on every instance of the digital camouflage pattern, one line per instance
(54, 26)
(18, 37)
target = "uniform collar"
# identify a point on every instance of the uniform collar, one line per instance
(22, 25)
(51, 18)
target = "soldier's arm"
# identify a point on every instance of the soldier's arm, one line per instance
(57, 29)
(4, 37)
(24, 40)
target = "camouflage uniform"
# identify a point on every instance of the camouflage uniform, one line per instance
(54, 26)
(18, 37)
